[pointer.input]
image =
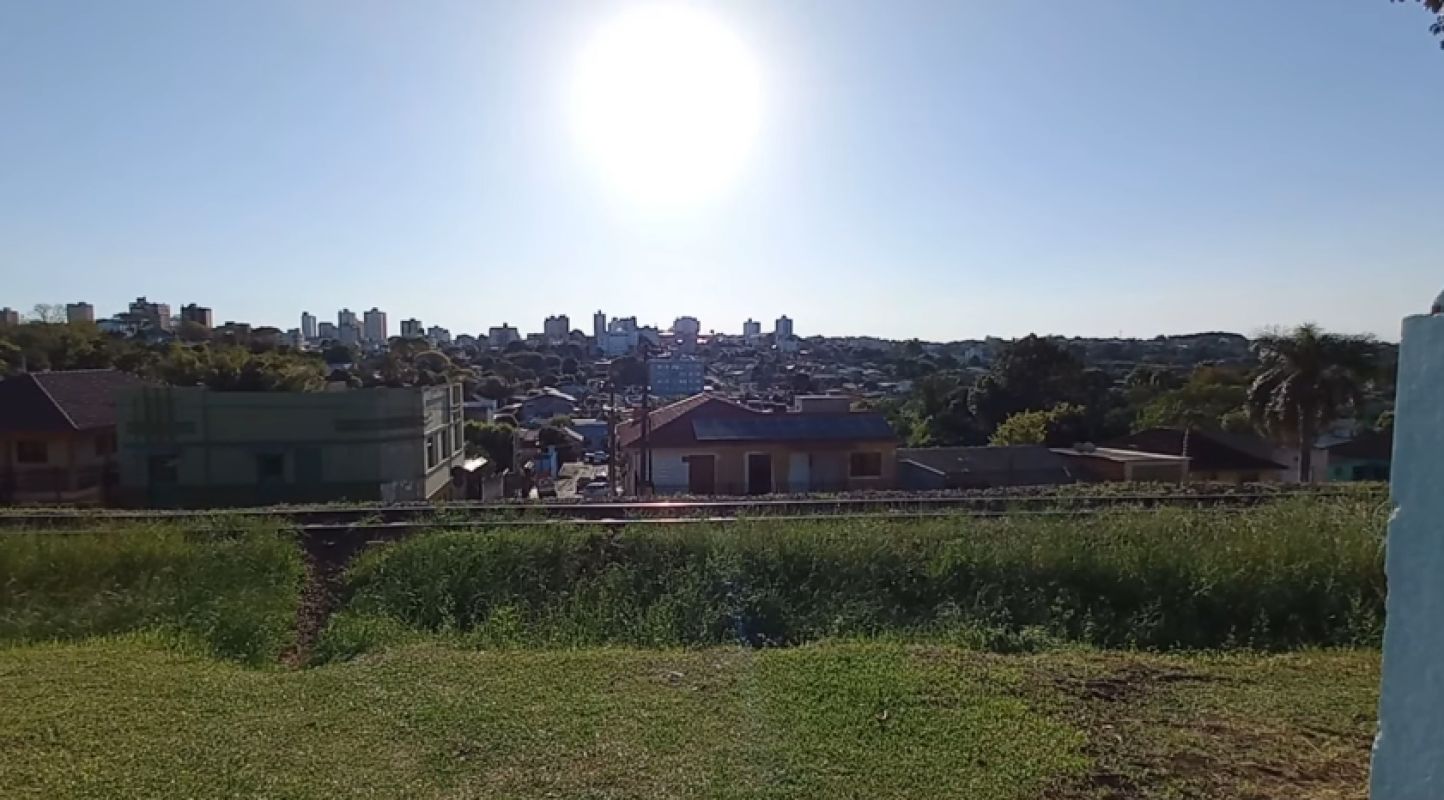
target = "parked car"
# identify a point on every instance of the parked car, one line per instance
(596, 490)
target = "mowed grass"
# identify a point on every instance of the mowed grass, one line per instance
(124, 718)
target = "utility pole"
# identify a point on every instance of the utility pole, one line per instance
(612, 464)
(645, 484)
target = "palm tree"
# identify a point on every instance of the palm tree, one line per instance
(1307, 379)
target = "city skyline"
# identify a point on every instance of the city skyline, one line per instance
(908, 170)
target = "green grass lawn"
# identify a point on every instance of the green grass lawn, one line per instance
(128, 717)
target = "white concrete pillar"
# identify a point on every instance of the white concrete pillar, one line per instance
(1409, 750)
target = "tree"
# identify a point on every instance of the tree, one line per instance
(494, 440)
(192, 331)
(1061, 426)
(628, 371)
(1307, 379)
(339, 354)
(48, 313)
(494, 388)
(1437, 7)
(1030, 374)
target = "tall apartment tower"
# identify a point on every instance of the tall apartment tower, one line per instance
(200, 315)
(784, 327)
(557, 329)
(309, 331)
(599, 326)
(752, 329)
(375, 329)
(79, 312)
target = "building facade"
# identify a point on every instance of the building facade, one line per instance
(599, 326)
(309, 330)
(58, 436)
(708, 445)
(556, 329)
(784, 328)
(327, 331)
(375, 328)
(9, 317)
(502, 335)
(346, 318)
(412, 329)
(751, 329)
(195, 448)
(79, 312)
(676, 377)
(438, 335)
(145, 314)
(199, 315)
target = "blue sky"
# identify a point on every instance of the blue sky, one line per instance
(929, 169)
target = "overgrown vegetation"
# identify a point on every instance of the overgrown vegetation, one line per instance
(1289, 574)
(235, 593)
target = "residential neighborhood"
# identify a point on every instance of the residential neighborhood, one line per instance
(242, 414)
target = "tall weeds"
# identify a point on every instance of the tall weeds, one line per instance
(1293, 573)
(236, 592)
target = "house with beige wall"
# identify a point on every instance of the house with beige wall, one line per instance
(197, 448)
(57, 436)
(708, 445)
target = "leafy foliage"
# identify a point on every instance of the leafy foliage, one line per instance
(1307, 379)
(1061, 426)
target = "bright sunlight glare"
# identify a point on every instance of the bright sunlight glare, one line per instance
(666, 102)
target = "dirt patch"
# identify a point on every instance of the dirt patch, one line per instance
(326, 557)
(1150, 735)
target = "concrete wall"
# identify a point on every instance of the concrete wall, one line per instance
(1409, 751)
(357, 445)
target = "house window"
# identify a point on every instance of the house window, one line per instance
(430, 452)
(163, 468)
(271, 466)
(31, 452)
(866, 465)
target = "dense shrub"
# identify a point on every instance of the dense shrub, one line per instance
(1297, 572)
(235, 592)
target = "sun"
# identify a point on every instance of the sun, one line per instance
(666, 102)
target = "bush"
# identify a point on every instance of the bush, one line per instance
(1293, 573)
(236, 592)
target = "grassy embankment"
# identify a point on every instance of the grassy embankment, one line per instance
(540, 700)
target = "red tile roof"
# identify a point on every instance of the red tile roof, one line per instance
(56, 402)
(629, 433)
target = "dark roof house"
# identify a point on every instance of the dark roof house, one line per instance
(1210, 452)
(60, 402)
(981, 467)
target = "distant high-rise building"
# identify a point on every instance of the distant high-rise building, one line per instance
(294, 338)
(623, 325)
(327, 331)
(345, 317)
(751, 329)
(79, 312)
(438, 335)
(9, 317)
(599, 326)
(675, 377)
(200, 315)
(375, 329)
(557, 329)
(308, 326)
(144, 313)
(412, 328)
(686, 327)
(784, 327)
(502, 336)
(349, 334)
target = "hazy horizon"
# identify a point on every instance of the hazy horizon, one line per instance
(931, 171)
